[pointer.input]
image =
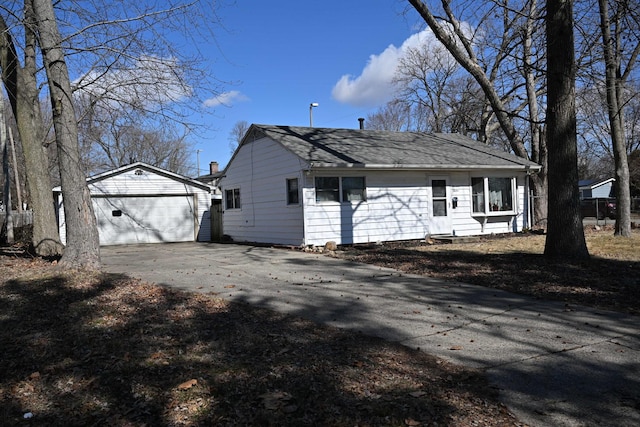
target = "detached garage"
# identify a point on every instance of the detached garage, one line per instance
(140, 203)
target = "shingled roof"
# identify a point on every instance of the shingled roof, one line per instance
(328, 147)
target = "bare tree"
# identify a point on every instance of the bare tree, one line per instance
(395, 115)
(565, 234)
(132, 73)
(116, 48)
(22, 88)
(113, 137)
(616, 73)
(82, 249)
(425, 76)
(7, 226)
(236, 134)
(494, 66)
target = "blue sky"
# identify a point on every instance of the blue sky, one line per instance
(275, 58)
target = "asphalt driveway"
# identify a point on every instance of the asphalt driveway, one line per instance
(553, 365)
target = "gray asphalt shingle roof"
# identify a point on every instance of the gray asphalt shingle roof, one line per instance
(372, 148)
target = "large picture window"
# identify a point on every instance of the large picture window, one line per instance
(346, 189)
(232, 199)
(492, 195)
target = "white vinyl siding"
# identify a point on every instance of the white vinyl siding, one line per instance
(398, 207)
(156, 207)
(394, 205)
(260, 169)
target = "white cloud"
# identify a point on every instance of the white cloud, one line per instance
(226, 99)
(374, 86)
(148, 81)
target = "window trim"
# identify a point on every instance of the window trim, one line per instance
(486, 195)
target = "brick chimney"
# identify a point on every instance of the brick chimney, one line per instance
(213, 168)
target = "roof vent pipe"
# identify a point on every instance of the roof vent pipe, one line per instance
(361, 120)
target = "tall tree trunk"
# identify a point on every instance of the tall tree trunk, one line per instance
(614, 106)
(565, 234)
(22, 88)
(82, 234)
(7, 226)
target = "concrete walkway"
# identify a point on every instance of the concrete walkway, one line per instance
(554, 365)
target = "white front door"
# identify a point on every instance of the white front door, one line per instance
(440, 218)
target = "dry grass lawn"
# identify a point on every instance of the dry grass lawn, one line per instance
(609, 280)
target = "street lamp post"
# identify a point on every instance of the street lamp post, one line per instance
(313, 104)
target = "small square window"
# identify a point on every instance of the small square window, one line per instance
(232, 198)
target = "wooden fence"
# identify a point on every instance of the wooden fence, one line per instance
(20, 218)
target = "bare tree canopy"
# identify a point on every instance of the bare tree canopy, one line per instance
(499, 46)
(237, 133)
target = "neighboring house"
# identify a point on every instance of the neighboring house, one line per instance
(140, 203)
(597, 188)
(212, 178)
(306, 186)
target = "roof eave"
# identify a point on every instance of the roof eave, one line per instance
(524, 168)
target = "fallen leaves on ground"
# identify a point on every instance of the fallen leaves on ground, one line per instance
(95, 349)
(609, 280)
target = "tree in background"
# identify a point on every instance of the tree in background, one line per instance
(135, 75)
(238, 131)
(565, 235)
(498, 45)
(112, 137)
(396, 116)
(620, 46)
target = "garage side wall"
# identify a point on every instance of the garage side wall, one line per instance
(143, 206)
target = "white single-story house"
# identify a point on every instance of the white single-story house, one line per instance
(597, 188)
(307, 186)
(140, 203)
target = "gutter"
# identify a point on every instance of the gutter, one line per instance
(417, 167)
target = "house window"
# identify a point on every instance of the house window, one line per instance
(353, 189)
(293, 197)
(439, 197)
(477, 194)
(327, 189)
(346, 189)
(232, 198)
(492, 195)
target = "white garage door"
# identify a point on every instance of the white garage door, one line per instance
(126, 220)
